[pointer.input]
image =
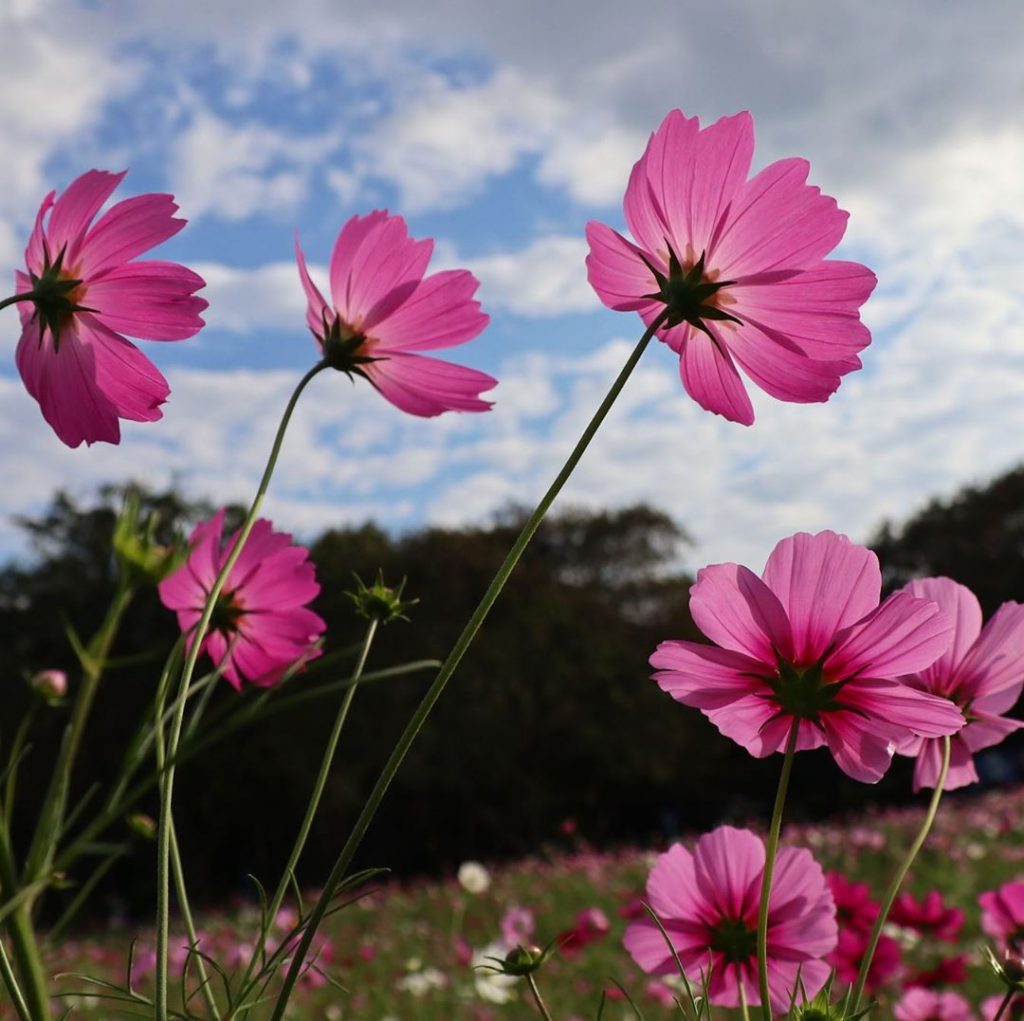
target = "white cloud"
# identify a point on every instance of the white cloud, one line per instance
(238, 170)
(260, 297)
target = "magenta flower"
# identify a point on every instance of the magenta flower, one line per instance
(809, 642)
(738, 264)
(708, 902)
(384, 312)
(261, 625)
(1002, 915)
(87, 293)
(982, 672)
(930, 916)
(919, 1004)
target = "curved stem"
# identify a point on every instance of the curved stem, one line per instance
(10, 983)
(433, 693)
(167, 781)
(769, 867)
(897, 879)
(536, 995)
(744, 1007)
(1004, 1003)
(14, 298)
(314, 802)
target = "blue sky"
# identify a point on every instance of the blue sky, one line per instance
(500, 129)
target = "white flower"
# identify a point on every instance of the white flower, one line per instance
(492, 986)
(419, 983)
(473, 877)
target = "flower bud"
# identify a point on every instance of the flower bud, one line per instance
(379, 602)
(522, 960)
(143, 825)
(51, 684)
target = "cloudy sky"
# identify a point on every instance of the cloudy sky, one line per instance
(500, 129)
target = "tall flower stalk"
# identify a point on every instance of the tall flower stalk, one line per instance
(465, 639)
(177, 721)
(897, 879)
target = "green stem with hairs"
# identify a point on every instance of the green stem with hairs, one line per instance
(314, 803)
(419, 717)
(541, 1006)
(177, 722)
(897, 879)
(771, 850)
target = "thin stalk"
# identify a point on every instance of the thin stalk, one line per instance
(167, 783)
(51, 818)
(897, 879)
(419, 717)
(536, 995)
(1004, 1003)
(744, 1008)
(83, 892)
(769, 867)
(14, 759)
(318, 790)
(11, 985)
(190, 926)
(27, 296)
(23, 938)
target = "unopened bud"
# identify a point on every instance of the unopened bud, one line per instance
(51, 684)
(522, 960)
(143, 825)
(379, 602)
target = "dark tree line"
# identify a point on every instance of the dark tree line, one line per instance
(551, 716)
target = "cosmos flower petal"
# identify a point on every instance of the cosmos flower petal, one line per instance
(728, 864)
(995, 663)
(354, 235)
(825, 583)
(317, 308)
(985, 730)
(440, 312)
(74, 210)
(904, 635)
(704, 676)
(427, 386)
(777, 221)
(897, 705)
(711, 379)
(929, 765)
(861, 749)
(617, 271)
(961, 605)
(128, 229)
(737, 611)
(152, 300)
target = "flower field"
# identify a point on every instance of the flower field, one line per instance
(408, 950)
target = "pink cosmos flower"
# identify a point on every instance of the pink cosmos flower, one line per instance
(810, 643)
(89, 292)
(929, 917)
(982, 672)
(854, 907)
(383, 312)
(261, 625)
(708, 903)
(927, 1005)
(1002, 915)
(517, 926)
(848, 956)
(739, 265)
(947, 971)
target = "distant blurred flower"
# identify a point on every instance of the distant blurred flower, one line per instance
(384, 311)
(738, 264)
(1014, 1011)
(517, 926)
(982, 672)
(849, 955)
(809, 642)
(591, 925)
(947, 971)
(930, 916)
(708, 903)
(261, 625)
(473, 877)
(87, 292)
(1002, 915)
(419, 983)
(928, 1005)
(490, 982)
(51, 684)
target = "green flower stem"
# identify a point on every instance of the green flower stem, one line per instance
(769, 867)
(14, 759)
(167, 780)
(10, 983)
(1004, 1003)
(318, 789)
(51, 818)
(744, 1006)
(897, 879)
(33, 990)
(433, 693)
(15, 298)
(536, 995)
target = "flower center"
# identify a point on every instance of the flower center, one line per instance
(734, 939)
(345, 348)
(227, 611)
(690, 293)
(57, 294)
(804, 691)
